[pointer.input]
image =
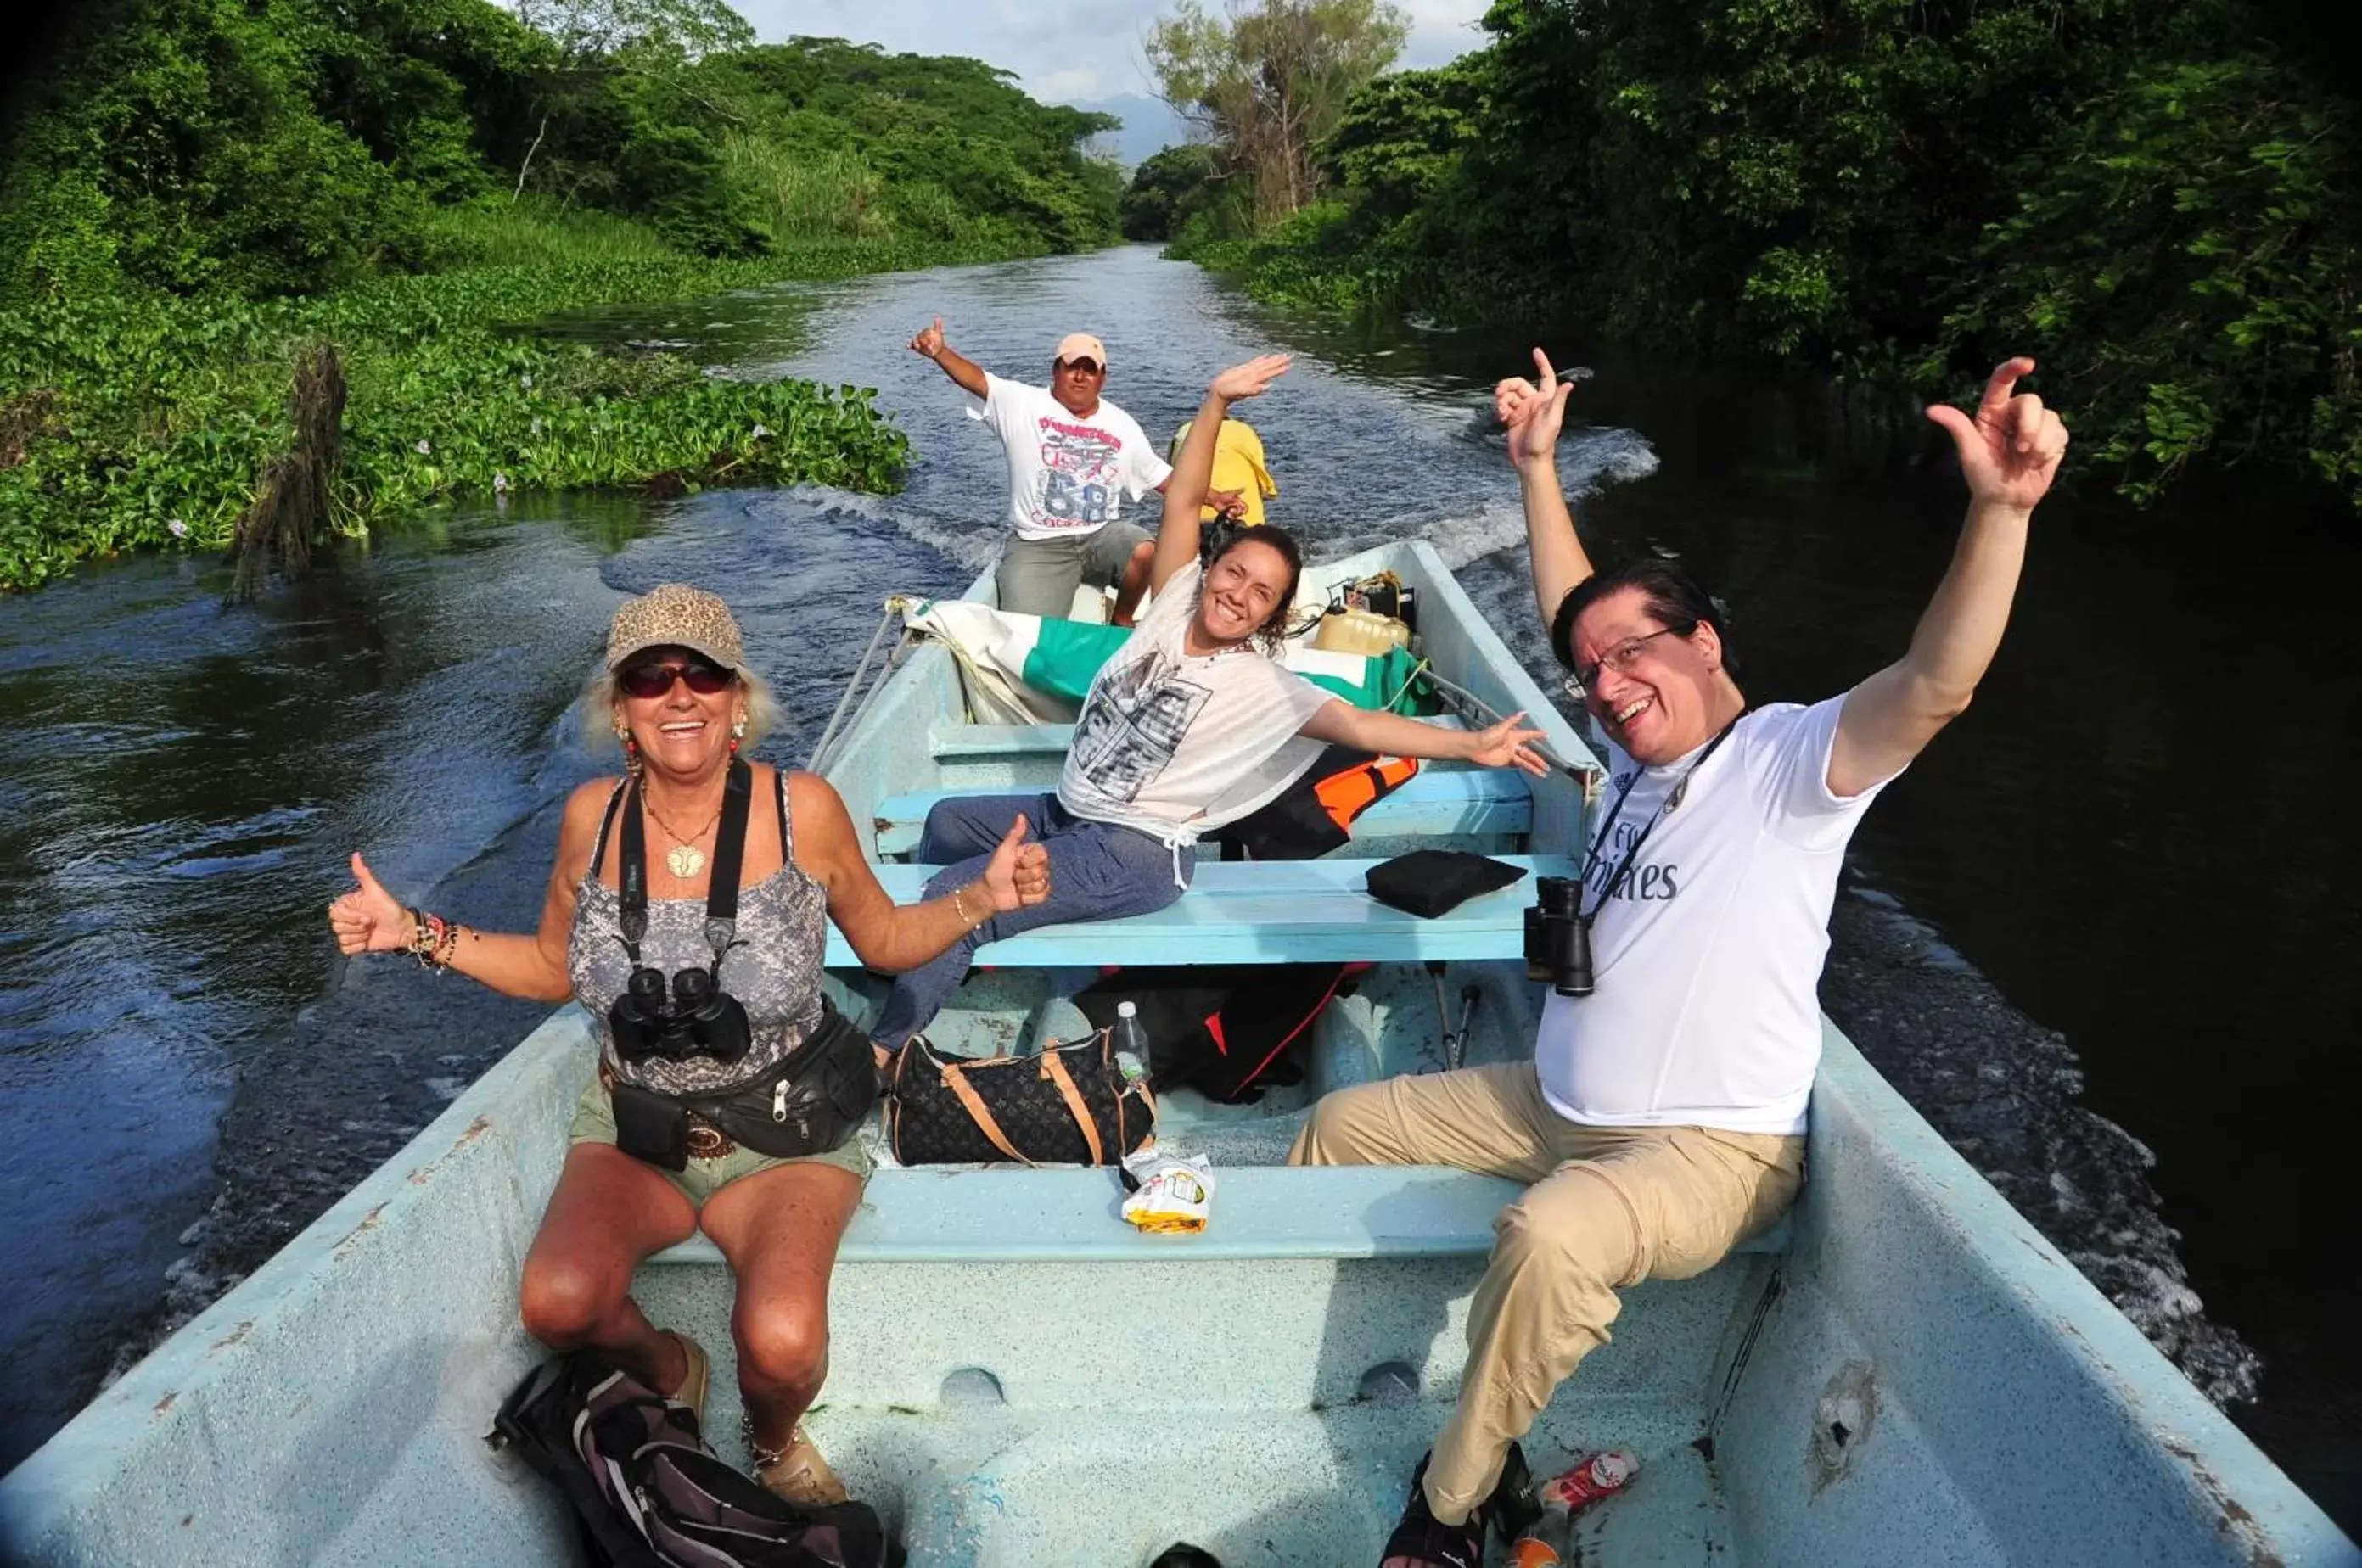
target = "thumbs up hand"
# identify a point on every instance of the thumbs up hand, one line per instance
(1019, 874)
(369, 919)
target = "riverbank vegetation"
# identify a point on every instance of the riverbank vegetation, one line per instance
(2161, 203)
(197, 194)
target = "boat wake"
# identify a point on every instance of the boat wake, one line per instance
(2007, 1093)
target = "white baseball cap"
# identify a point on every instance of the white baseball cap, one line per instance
(1080, 345)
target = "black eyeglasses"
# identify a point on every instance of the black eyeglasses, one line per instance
(1620, 658)
(645, 681)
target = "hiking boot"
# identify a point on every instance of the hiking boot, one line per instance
(798, 1472)
(1422, 1539)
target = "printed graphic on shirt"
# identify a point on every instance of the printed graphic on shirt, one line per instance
(1132, 725)
(1082, 475)
(1650, 881)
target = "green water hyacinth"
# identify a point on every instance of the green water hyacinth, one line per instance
(123, 415)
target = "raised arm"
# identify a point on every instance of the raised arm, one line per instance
(1505, 744)
(2008, 453)
(369, 919)
(1534, 411)
(962, 370)
(890, 937)
(1193, 470)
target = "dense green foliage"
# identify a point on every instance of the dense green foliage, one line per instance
(191, 190)
(1167, 190)
(2152, 200)
(149, 415)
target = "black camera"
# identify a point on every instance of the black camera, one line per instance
(698, 1020)
(1558, 938)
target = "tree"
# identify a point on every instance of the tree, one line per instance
(1165, 189)
(1268, 81)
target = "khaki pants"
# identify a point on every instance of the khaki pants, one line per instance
(1607, 1207)
(1039, 577)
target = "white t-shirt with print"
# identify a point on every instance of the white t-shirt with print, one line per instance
(1068, 474)
(1178, 745)
(1706, 962)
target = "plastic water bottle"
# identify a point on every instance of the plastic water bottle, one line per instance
(1130, 1042)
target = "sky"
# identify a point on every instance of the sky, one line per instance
(1063, 51)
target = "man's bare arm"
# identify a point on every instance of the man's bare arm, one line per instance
(2008, 453)
(1534, 411)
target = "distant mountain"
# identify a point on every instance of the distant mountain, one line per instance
(1148, 126)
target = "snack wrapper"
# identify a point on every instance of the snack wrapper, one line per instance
(1175, 1195)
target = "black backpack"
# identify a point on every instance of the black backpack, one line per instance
(646, 1491)
(1314, 815)
(1228, 1031)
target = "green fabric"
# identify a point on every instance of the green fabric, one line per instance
(1067, 653)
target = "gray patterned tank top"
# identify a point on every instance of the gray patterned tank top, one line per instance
(773, 969)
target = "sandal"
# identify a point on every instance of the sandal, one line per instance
(797, 1471)
(1420, 1538)
(694, 1380)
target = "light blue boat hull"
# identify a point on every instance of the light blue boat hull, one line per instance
(1018, 1379)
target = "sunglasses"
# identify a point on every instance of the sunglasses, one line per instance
(645, 681)
(1085, 365)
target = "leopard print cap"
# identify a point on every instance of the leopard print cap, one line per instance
(675, 615)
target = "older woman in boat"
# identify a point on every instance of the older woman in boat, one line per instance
(1194, 723)
(728, 1091)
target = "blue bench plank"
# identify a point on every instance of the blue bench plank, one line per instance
(1010, 1215)
(952, 740)
(1263, 912)
(1436, 802)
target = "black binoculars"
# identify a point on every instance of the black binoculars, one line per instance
(698, 1020)
(1558, 938)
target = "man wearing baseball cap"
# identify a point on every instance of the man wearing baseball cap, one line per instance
(1073, 458)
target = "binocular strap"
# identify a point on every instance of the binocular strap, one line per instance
(721, 892)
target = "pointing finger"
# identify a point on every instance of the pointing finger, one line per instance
(2002, 383)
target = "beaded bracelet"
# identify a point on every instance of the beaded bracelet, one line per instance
(959, 906)
(434, 941)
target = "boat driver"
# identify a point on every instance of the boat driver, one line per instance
(1073, 457)
(1662, 1119)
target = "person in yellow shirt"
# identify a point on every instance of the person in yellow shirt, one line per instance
(1239, 468)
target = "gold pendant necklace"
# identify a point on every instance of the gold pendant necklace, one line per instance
(684, 859)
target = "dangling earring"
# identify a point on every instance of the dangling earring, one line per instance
(630, 751)
(737, 733)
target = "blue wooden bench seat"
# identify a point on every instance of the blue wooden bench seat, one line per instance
(1438, 801)
(954, 740)
(1263, 912)
(1010, 1214)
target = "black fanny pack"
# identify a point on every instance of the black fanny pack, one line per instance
(807, 1102)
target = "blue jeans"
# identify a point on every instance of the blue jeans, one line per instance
(1097, 871)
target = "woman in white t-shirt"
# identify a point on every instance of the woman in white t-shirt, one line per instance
(1193, 724)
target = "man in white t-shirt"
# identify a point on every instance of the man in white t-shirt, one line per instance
(1661, 1120)
(1073, 459)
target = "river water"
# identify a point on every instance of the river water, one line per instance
(2104, 916)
